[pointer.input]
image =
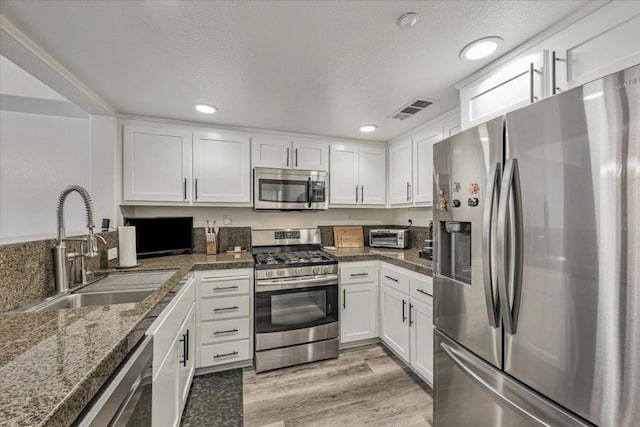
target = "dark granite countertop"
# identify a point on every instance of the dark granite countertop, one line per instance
(53, 363)
(407, 258)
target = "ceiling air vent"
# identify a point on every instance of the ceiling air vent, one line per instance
(411, 108)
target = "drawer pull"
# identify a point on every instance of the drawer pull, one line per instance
(218, 356)
(422, 292)
(224, 279)
(359, 274)
(391, 278)
(235, 307)
(230, 331)
(225, 288)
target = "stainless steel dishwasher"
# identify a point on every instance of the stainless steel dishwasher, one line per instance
(125, 400)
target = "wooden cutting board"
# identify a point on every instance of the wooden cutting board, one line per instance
(348, 237)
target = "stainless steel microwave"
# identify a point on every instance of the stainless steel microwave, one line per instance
(389, 238)
(289, 190)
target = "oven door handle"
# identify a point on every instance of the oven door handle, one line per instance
(283, 284)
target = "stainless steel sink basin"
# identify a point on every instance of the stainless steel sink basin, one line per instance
(92, 299)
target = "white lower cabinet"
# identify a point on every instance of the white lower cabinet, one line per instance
(422, 338)
(173, 357)
(358, 301)
(394, 320)
(359, 313)
(224, 322)
(406, 317)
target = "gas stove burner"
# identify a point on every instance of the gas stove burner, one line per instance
(297, 257)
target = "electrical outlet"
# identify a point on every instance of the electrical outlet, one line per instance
(112, 254)
(226, 219)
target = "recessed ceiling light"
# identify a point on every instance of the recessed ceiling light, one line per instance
(480, 48)
(368, 128)
(206, 109)
(408, 20)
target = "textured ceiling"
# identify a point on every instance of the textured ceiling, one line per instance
(322, 67)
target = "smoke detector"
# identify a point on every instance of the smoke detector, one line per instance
(412, 108)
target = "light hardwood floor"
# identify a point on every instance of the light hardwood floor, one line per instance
(364, 386)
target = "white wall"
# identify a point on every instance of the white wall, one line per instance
(246, 217)
(45, 146)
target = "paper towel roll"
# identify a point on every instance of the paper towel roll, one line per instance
(127, 246)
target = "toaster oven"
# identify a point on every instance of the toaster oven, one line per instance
(389, 238)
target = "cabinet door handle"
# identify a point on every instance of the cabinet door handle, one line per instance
(296, 154)
(225, 288)
(532, 96)
(235, 307)
(233, 353)
(422, 292)
(391, 278)
(554, 84)
(196, 188)
(411, 322)
(287, 156)
(358, 274)
(407, 191)
(187, 346)
(344, 299)
(404, 316)
(185, 189)
(228, 331)
(362, 194)
(410, 191)
(183, 340)
(356, 194)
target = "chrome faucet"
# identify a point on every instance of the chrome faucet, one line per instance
(60, 256)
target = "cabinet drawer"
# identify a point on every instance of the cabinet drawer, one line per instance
(357, 272)
(224, 308)
(228, 352)
(224, 330)
(223, 286)
(394, 277)
(421, 287)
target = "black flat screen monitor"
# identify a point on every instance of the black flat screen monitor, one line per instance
(162, 236)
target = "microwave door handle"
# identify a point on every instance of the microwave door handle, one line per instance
(309, 192)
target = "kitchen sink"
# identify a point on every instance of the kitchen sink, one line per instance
(115, 288)
(91, 299)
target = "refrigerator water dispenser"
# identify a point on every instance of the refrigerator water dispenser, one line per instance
(454, 259)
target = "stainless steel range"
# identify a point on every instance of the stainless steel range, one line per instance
(296, 300)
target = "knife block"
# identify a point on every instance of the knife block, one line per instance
(212, 247)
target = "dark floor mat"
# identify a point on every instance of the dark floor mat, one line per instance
(214, 400)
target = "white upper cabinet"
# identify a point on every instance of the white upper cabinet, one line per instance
(601, 43)
(185, 165)
(156, 164)
(400, 173)
(343, 178)
(221, 167)
(423, 163)
(358, 174)
(310, 155)
(271, 151)
(277, 151)
(514, 85)
(411, 161)
(372, 173)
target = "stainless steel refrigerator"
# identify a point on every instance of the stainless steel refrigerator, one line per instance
(537, 263)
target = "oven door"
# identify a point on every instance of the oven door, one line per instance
(276, 189)
(296, 315)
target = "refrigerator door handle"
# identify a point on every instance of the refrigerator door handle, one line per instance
(491, 299)
(509, 244)
(462, 364)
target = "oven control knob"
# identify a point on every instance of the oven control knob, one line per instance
(317, 270)
(280, 272)
(298, 271)
(268, 273)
